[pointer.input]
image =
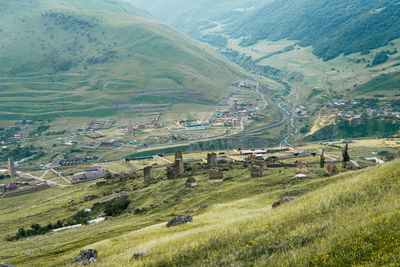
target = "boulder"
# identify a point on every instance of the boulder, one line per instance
(202, 207)
(332, 169)
(180, 219)
(139, 254)
(282, 201)
(140, 210)
(6, 265)
(86, 257)
(352, 165)
(301, 167)
(90, 198)
(191, 182)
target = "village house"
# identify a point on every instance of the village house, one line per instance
(92, 173)
(36, 187)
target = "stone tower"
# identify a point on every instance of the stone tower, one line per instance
(148, 173)
(211, 160)
(11, 168)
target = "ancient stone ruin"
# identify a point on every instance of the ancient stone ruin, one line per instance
(179, 167)
(178, 155)
(260, 163)
(11, 168)
(215, 176)
(171, 173)
(301, 167)
(257, 171)
(148, 174)
(332, 169)
(212, 160)
(191, 182)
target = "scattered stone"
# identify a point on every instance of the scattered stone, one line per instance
(288, 186)
(139, 254)
(282, 201)
(86, 257)
(378, 198)
(332, 169)
(301, 167)
(180, 219)
(257, 171)
(202, 207)
(191, 182)
(140, 210)
(148, 174)
(90, 198)
(352, 165)
(6, 265)
(101, 183)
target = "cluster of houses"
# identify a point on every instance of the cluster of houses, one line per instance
(352, 109)
(267, 153)
(100, 124)
(77, 160)
(300, 111)
(15, 133)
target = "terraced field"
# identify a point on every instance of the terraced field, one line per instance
(83, 59)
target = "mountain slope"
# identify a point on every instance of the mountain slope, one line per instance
(198, 17)
(331, 27)
(70, 56)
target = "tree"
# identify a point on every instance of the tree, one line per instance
(346, 156)
(322, 160)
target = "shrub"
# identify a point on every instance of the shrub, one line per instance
(116, 207)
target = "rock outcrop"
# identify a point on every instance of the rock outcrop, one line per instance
(282, 201)
(86, 257)
(139, 254)
(180, 219)
(332, 169)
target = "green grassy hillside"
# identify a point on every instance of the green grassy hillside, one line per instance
(69, 57)
(331, 27)
(197, 16)
(349, 219)
(381, 85)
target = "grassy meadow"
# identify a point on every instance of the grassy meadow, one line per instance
(332, 78)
